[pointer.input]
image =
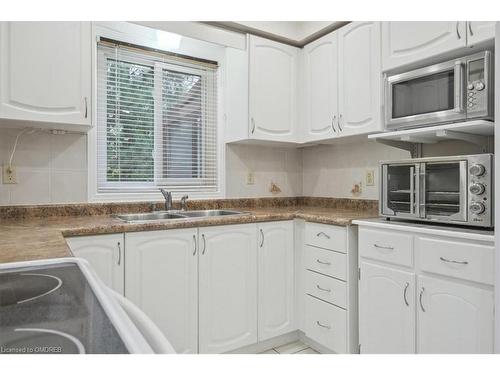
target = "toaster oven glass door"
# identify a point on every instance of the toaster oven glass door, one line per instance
(444, 191)
(400, 190)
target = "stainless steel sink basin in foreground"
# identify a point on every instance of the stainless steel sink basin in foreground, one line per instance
(176, 215)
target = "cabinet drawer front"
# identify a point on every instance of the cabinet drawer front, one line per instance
(326, 236)
(463, 260)
(326, 288)
(387, 246)
(326, 262)
(326, 324)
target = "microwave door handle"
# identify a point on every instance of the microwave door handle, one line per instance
(459, 86)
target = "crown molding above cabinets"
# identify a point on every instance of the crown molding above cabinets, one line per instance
(43, 83)
(280, 94)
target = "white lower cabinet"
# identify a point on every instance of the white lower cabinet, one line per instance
(386, 310)
(454, 318)
(105, 255)
(330, 265)
(228, 287)
(162, 280)
(276, 313)
(449, 310)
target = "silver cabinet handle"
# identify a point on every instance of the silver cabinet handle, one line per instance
(322, 262)
(194, 242)
(323, 234)
(253, 124)
(322, 325)
(470, 28)
(334, 118)
(458, 32)
(119, 253)
(464, 262)
(323, 289)
(261, 237)
(340, 122)
(383, 247)
(204, 244)
(86, 108)
(404, 294)
(420, 299)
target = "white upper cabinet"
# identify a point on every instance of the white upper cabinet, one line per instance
(320, 79)
(105, 253)
(276, 279)
(162, 280)
(454, 318)
(386, 310)
(228, 287)
(272, 90)
(45, 72)
(409, 42)
(480, 31)
(360, 78)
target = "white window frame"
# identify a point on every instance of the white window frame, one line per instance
(139, 35)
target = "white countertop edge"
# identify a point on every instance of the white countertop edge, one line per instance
(464, 233)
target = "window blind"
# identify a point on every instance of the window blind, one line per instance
(156, 121)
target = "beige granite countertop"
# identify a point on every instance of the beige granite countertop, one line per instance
(42, 238)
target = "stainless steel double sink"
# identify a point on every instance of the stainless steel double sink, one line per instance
(176, 215)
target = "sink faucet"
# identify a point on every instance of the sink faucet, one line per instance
(184, 202)
(168, 199)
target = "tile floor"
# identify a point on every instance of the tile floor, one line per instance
(296, 347)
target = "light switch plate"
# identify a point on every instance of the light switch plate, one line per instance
(250, 178)
(9, 175)
(370, 177)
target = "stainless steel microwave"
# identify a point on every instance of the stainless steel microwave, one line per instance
(455, 189)
(453, 91)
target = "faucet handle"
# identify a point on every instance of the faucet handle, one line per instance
(166, 194)
(183, 202)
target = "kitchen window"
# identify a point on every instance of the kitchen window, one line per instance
(156, 121)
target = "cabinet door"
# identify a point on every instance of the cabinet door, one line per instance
(45, 71)
(453, 317)
(386, 310)
(320, 76)
(272, 86)
(161, 278)
(228, 287)
(480, 31)
(276, 279)
(406, 42)
(105, 255)
(360, 78)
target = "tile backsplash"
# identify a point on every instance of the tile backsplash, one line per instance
(51, 168)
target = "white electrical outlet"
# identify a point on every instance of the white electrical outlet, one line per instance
(370, 177)
(9, 175)
(250, 178)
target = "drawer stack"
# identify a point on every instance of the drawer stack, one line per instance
(325, 284)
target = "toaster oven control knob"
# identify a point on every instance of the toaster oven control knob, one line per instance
(470, 86)
(477, 188)
(477, 208)
(477, 170)
(479, 86)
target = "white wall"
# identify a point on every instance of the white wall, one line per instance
(332, 171)
(50, 168)
(282, 166)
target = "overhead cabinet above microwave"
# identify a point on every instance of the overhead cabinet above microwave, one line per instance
(45, 74)
(406, 43)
